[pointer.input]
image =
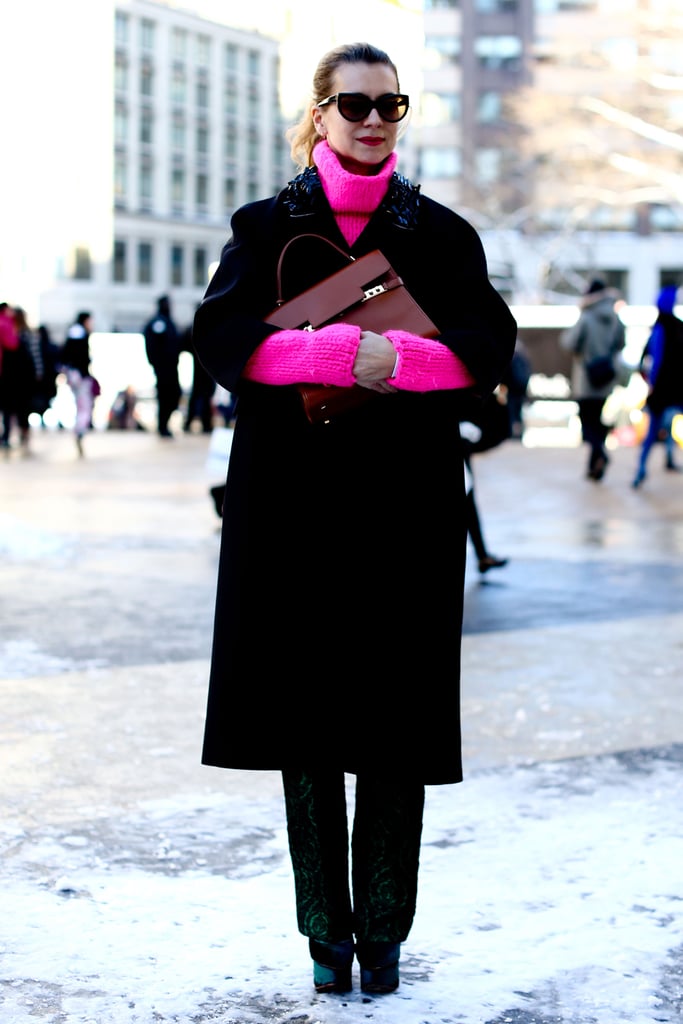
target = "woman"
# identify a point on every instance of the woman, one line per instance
(343, 553)
(662, 368)
(75, 360)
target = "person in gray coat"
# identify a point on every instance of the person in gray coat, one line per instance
(595, 339)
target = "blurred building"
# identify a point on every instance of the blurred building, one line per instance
(556, 126)
(176, 117)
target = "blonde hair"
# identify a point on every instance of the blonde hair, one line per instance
(303, 136)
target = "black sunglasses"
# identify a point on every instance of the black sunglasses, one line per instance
(355, 106)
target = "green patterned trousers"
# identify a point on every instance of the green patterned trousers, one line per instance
(385, 854)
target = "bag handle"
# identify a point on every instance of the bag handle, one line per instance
(310, 234)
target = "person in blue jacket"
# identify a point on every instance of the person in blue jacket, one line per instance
(661, 366)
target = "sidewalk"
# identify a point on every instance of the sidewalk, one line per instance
(141, 887)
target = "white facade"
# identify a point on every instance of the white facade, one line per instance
(177, 122)
(197, 133)
(150, 122)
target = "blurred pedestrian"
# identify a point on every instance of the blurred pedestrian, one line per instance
(162, 345)
(75, 361)
(123, 413)
(225, 404)
(46, 359)
(488, 426)
(18, 382)
(343, 544)
(200, 400)
(516, 384)
(661, 366)
(596, 339)
(9, 340)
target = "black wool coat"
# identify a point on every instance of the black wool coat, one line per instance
(339, 603)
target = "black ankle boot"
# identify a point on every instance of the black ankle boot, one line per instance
(332, 962)
(378, 966)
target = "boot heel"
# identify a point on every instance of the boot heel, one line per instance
(332, 963)
(378, 966)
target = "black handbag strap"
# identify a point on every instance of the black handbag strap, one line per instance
(310, 234)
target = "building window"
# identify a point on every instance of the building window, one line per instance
(146, 126)
(177, 262)
(147, 35)
(178, 188)
(253, 146)
(254, 63)
(120, 74)
(202, 95)
(668, 275)
(82, 263)
(495, 52)
(120, 179)
(489, 107)
(441, 162)
(145, 259)
(495, 6)
(230, 95)
(178, 134)
(434, 5)
(614, 278)
(179, 44)
(201, 191)
(203, 52)
(230, 53)
(146, 80)
(441, 108)
(146, 185)
(442, 51)
(202, 139)
(178, 86)
(121, 124)
(121, 25)
(487, 165)
(252, 191)
(200, 267)
(230, 195)
(666, 218)
(253, 102)
(119, 262)
(550, 6)
(230, 141)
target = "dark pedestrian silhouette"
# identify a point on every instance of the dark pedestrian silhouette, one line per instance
(162, 345)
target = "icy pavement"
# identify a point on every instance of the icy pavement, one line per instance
(139, 887)
(549, 893)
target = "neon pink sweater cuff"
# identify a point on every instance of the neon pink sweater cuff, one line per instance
(426, 365)
(325, 356)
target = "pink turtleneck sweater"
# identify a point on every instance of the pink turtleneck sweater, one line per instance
(326, 356)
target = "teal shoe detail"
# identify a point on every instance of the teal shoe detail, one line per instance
(332, 963)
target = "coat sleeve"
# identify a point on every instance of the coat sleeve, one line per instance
(228, 325)
(474, 320)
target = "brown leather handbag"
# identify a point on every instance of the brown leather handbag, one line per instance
(367, 292)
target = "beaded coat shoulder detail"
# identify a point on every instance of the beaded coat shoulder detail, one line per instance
(304, 196)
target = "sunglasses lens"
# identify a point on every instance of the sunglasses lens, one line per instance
(354, 108)
(392, 108)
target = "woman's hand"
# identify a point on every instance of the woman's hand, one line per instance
(374, 363)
